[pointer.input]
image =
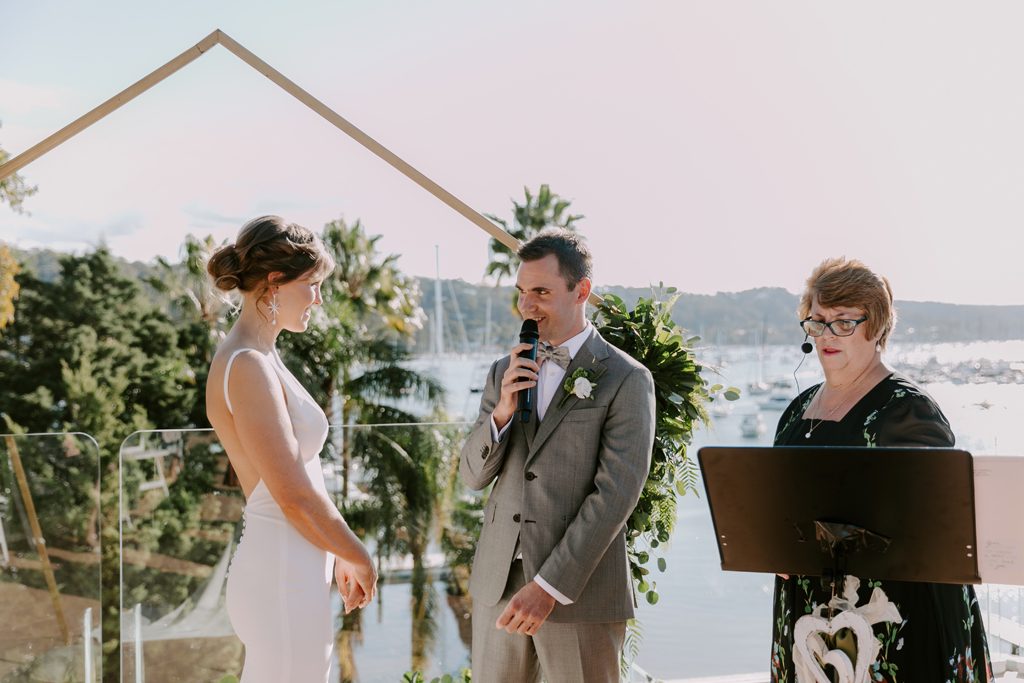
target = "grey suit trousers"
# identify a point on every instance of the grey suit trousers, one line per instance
(558, 653)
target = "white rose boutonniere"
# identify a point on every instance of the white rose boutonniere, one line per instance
(582, 388)
(580, 384)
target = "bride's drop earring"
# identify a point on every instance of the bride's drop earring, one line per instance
(878, 348)
(274, 308)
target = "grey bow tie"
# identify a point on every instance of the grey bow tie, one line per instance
(557, 354)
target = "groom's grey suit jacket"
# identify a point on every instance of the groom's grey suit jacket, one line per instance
(565, 486)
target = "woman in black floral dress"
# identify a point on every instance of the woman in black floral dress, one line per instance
(923, 632)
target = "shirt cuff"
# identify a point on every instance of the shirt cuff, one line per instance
(495, 434)
(550, 590)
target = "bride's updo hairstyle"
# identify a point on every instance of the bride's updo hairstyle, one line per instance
(267, 245)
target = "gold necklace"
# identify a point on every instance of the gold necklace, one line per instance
(829, 414)
(824, 419)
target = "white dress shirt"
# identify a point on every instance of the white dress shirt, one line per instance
(549, 378)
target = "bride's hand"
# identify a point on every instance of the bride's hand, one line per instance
(357, 582)
(351, 595)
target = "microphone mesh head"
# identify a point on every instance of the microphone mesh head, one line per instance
(529, 328)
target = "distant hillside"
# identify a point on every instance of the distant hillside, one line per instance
(723, 318)
(45, 265)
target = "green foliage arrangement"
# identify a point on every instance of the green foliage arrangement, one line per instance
(464, 676)
(648, 334)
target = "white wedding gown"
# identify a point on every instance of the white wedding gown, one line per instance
(279, 584)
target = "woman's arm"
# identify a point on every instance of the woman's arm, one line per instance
(265, 431)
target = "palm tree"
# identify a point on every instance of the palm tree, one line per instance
(352, 353)
(351, 357)
(370, 281)
(407, 475)
(545, 210)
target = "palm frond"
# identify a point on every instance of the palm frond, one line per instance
(393, 381)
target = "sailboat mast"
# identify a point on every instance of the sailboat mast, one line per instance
(438, 305)
(487, 323)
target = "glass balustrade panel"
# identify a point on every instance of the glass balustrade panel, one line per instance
(49, 558)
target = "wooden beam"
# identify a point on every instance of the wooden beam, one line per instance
(396, 162)
(37, 533)
(369, 143)
(111, 105)
(335, 119)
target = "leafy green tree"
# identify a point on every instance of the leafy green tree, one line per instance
(87, 353)
(8, 285)
(91, 322)
(545, 210)
(13, 190)
(200, 312)
(353, 350)
(352, 357)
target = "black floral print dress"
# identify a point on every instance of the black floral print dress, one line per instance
(924, 632)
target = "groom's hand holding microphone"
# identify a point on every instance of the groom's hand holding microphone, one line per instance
(518, 384)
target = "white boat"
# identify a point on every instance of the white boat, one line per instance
(758, 388)
(776, 401)
(721, 408)
(752, 426)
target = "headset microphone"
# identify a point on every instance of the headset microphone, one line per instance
(806, 347)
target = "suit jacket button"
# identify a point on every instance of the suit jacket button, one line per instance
(530, 476)
(516, 517)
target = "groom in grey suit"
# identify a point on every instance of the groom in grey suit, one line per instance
(551, 585)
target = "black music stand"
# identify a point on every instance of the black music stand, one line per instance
(904, 514)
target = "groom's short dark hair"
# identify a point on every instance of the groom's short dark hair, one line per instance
(574, 261)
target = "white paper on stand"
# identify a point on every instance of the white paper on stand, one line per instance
(999, 515)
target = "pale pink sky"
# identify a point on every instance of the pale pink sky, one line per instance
(712, 145)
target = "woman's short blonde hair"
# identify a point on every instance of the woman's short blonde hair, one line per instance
(848, 283)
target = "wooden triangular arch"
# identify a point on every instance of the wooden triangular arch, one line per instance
(218, 37)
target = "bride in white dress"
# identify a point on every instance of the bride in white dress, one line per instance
(278, 588)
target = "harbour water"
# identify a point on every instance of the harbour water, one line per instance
(709, 622)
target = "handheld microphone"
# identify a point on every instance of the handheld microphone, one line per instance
(528, 397)
(806, 347)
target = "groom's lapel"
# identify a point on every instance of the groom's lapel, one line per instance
(590, 357)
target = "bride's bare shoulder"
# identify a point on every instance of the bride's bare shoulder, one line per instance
(250, 370)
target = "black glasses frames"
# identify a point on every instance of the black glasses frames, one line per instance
(839, 328)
